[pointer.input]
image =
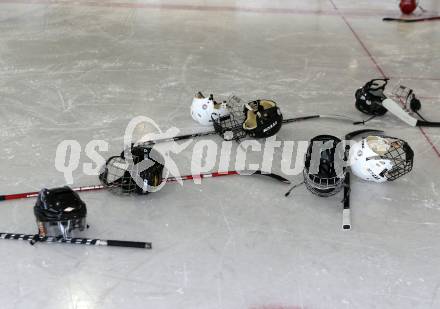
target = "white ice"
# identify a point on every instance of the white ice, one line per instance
(81, 70)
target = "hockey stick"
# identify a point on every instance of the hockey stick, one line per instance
(405, 116)
(219, 174)
(346, 212)
(17, 196)
(193, 135)
(77, 241)
(350, 135)
(413, 20)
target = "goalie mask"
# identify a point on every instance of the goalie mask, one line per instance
(203, 109)
(381, 158)
(369, 98)
(139, 171)
(59, 211)
(324, 170)
(263, 118)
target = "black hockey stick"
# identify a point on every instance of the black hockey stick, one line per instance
(289, 120)
(76, 241)
(346, 215)
(411, 20)
(346, 212)
(350, 135)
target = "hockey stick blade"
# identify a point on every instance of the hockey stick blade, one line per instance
(351, 135)
(405, 116)
(273, 176)
(413, 20)
(394, 108)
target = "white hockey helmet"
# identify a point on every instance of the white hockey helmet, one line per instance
(203, 108)
(381, 158)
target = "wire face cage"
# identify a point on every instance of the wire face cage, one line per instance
(115, 176)
(326, 178)
(230, 127)
(402, 157)
(322, 186)
(139, 175)
(404, 96)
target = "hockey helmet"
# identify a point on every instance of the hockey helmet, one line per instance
(203, 109)
(324, 168)
(381, 158)
(369, 98)
(263, 118)
(59, 211)
(139, 171)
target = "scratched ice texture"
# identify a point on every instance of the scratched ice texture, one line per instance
(82, 70)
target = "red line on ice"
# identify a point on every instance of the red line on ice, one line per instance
(191, 7)
(379, 69)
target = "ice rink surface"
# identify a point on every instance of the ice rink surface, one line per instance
(81, 70)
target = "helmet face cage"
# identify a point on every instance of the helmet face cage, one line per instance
(61, 228)
(369, 98)
(402, 157)
(327, 178)
(406, 97)
(230, 126)
(381, 158)
(117, 175)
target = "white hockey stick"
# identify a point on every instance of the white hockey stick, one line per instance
(397, 110)
(404, 115)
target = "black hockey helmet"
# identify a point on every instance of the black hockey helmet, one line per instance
(135, 171)
(58, 211)
(369, 98)
(263, 118)
(324, 171)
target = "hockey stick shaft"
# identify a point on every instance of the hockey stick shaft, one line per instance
(77, 241)
(178, 138)
(414, 20)
(193, 135)
(17, 196)
(346, 212)
(228, 173)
